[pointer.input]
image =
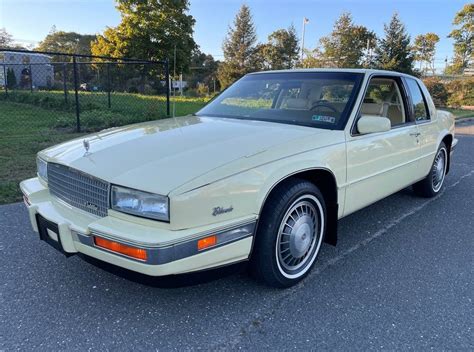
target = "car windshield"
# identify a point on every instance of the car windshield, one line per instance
(317, 99)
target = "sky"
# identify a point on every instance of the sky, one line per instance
(29, 21)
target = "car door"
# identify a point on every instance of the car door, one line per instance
(379, 164)
(427, 128)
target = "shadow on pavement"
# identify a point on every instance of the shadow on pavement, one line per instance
(171, 281)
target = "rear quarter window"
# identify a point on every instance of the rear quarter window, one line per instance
(420, 108)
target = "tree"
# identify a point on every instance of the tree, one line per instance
(393, 51)
(262, 56)
(345, 46)
(424, 50)
(281, 50)
(314, 59)
(11, 78)
(463, 39)
(66, 42)
(239, 48)
(6, 39)
(204, 71)
(151, 30)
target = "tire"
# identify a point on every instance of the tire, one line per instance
(289, 235)
(432, 184)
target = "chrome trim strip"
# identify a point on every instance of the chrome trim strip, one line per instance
(188, 238)
(176, 251)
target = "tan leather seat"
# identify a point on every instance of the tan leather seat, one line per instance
(314, 96)
(371, 109)
(395, 115)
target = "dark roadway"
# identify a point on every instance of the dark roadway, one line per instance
(401, 278)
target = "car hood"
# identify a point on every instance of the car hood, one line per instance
(160, 156)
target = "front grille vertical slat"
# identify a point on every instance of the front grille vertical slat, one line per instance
(78, 189)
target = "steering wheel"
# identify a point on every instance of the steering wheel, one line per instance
(324, 105)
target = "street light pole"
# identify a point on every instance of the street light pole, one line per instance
(305, 21)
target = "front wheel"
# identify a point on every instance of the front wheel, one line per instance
(290, 233)
(432, 184)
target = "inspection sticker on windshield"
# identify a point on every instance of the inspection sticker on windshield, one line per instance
(324, 118)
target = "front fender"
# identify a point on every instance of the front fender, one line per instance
(244, 194)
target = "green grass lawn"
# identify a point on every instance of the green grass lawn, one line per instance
(460, 113)
(95, 113)
(30, 126)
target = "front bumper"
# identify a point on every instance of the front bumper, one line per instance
(453, 145)
(168, 252)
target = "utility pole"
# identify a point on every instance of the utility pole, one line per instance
(174, 77)
(305, 21)
(369, 54)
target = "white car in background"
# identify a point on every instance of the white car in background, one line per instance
(262, 173)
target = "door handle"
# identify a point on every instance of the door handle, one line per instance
(415, 134)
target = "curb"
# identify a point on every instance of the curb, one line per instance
(464, 119)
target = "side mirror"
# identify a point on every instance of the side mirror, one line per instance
(372, 124)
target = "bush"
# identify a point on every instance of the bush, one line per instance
(193, 93)
(42, 100)
(461, 92)
(96, 120)
(438, 91)
(202, 90)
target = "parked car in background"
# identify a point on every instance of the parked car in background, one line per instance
(262, 173)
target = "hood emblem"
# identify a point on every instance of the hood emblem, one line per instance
(87, 146)
(91, 206)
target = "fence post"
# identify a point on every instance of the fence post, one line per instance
(31, 80)
(5, 80)
(167, 77)
(76, 94)
(108, 86)
(64, 83)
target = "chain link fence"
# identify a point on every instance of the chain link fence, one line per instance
(47, 98)
(80, 92)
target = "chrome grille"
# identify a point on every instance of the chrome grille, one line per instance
(78, 189)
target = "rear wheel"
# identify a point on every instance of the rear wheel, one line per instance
(432, 184)
(290, 233)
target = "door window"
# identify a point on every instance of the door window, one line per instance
(419, 107)
(383, 98)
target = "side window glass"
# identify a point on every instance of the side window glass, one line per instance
(383, 98)
(419, 106)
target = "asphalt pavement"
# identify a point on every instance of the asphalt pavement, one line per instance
(401, 278)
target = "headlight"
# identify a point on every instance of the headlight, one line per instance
(42, 168)
(140, 203)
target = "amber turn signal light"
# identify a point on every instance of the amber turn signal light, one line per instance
(116, 247)
(207, 242)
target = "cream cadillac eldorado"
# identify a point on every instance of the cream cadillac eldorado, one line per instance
(261, 174)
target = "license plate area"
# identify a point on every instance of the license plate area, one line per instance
(43, 226)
